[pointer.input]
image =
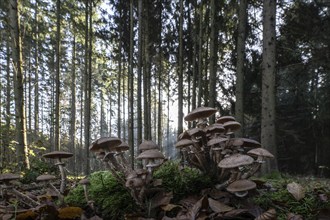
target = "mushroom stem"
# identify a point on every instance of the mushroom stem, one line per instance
(63, 178)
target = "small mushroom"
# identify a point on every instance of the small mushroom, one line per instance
(58, 156)
(241, 187)
(231, 126)
(148, 145)
(150, 156)
(85, 182)
(260, 154)
(224, 119)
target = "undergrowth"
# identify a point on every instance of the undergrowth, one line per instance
(278, 196)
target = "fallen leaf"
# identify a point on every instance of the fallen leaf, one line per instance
(292, 216)
(219, 207)
(161, 199)
(200, 204)
(296, 190)
(169, 207)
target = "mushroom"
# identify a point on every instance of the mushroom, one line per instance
(148, 145)
(59, 155)
(45, 179)
(217, 145)
(260, 154)
(105, 144)
(85, 182)
(241, 187)
(183, 145)
(200, 114)
(234, 163)
(149, 158)
(214, 130)
(121, 149)
(231, 126)
(224, 119)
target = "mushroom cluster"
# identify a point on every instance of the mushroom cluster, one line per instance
(214, 150)
(112, 152)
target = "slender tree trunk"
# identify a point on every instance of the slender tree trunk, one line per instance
(88, 78)
(268, 135)
(213, 59)
(8, 101)
(180, 72)
(131, 88)
(139, 92)
(146, 79)
(14, 23)
(36, 82)
(57, 79)
(239, 106)
(119, 80)
(73, 103)
(200, 56)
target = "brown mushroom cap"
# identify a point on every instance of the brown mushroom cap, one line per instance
(197, 132)
(232, 126)
(224, 119)
(6, 177)
(184, 135)
(260, 152)
(215, 141)
(148, 145)
(200, 113)
(241, 185)
(105, 143)
(45, 177)
(215, 128)
(250, 143)
(122, 147)
(58, 155)
(184, 143)
(151, 154)
(235, 160)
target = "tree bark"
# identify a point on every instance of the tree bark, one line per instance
(139, 92)
(213, 59)
(131, 88)
(36, 82)
(180, 72)
(239, 106)
(57, 76)
(268, 135)
(73, 102)
(14, 24)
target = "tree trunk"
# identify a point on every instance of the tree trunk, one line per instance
(14, 23)
(213, 59)
(239, 106)
(180, 72)
(200, 56)
(36, 82)
(119, 77)
(73, 103)
(268, 135)
(57, 77)
(139, 92)
(131, 88)
(87, 102)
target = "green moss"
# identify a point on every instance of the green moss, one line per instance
(182, 182)
(285, 203)
(111, 198)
